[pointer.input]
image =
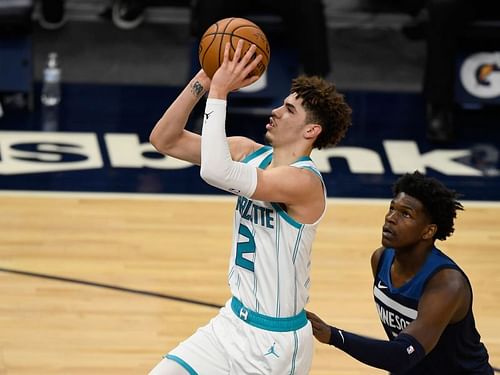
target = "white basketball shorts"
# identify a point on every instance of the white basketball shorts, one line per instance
(239, 341)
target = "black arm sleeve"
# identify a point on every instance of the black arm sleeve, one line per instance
(397, 355)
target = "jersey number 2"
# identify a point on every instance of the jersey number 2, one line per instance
(247, 247)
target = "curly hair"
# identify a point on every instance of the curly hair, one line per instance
(324, 106)
(439, 202)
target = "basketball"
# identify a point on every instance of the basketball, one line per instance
(213, 42)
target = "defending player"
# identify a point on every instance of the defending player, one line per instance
(281, 198)
(423, 298)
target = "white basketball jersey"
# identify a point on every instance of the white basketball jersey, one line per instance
(270, 262)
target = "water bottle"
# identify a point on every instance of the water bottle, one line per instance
(51, 89)
(51, 93)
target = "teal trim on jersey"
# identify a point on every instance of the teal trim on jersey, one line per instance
(268, 323)
(315, 171)
(295, 289)
(303, 158)
(255, 281)
(306, 284)
(297, 244)
(294, 257)
(285, 216)
(276, 206)
(183, 363)
(278, 228)
(254, 154)
(295, 350)
(267, 160)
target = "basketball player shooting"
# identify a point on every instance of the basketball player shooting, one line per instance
(281, 198)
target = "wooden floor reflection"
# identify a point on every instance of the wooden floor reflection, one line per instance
(134, 253)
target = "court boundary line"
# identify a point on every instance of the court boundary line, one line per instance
(198, 197)
(169, 197)
(121, 289)
(108, 286)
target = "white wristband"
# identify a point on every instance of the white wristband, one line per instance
(217, 167)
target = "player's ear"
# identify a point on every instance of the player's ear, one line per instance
(429, 231)
(313, 130)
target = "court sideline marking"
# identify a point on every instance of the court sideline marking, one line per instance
(109, 286)
(198, 197)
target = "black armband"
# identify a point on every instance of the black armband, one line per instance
(398, 355)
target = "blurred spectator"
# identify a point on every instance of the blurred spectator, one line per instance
(52, 14)
(446, 22)
(304, 22)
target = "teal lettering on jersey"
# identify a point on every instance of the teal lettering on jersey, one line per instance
(245, 247)
(258, 215)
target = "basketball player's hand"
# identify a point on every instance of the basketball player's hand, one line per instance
(236, 73)
(321, 330)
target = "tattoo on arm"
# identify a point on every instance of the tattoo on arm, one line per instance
(197, 89)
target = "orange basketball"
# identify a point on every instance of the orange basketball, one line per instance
(213, 42)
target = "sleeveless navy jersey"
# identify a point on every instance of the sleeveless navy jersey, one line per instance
(459, 350)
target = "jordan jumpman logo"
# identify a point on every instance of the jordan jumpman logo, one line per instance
(271, 350)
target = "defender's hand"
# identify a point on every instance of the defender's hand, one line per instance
(321, 330)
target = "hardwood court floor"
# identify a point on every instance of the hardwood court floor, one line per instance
(53, 323)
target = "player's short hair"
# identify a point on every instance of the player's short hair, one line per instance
(440, 203)
(324, 106)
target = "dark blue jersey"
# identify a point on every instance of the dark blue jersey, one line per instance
(459, 349)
